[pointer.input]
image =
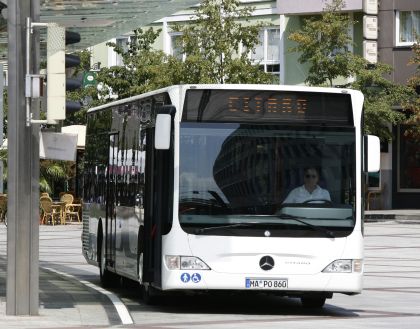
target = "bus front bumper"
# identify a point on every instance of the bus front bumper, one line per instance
(347, 283)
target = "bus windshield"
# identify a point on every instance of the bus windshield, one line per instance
(235, 178)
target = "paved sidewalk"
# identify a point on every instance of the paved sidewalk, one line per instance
(390, 299)
(64, 301)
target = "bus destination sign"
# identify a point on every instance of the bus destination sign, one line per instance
(210, 105)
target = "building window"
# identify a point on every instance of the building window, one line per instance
(408, 160)
(408, 26)
(122, 43)
(267, 51)
(176, 46)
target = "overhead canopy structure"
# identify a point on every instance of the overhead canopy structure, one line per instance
(98, 20)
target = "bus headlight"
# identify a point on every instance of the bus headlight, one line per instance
(185, 263)
(344, 266)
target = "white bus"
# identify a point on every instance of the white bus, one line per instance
(184, 190)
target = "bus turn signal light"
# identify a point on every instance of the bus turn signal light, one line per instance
(344, 266)
(185, 263)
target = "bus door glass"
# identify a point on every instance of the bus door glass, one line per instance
(110, 226)
(158, 206)
(149, 259)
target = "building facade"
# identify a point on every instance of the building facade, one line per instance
(397, 185)
(273, 52)
(399, 21)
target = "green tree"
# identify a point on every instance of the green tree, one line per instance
(382, 97)
(213, 41)
(53, 171)
(144, 69)
(324, 43)
(414, 83)
(211, 44)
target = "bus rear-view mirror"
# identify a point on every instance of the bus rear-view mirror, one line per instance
(374, 153)
(163, 131)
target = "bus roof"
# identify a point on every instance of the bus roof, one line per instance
(228, 86)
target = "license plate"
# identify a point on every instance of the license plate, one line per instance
(273, 284)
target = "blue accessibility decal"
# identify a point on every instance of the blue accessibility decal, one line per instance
(185, 277)
(196, 278)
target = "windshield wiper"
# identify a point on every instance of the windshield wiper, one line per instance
(211, 228)
(328, 233)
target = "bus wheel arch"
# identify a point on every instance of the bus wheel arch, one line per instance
(149, 294)
(313, 301)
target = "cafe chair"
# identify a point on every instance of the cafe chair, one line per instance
(50, 212)
(71, 210)
(3, 207)
(374, 198)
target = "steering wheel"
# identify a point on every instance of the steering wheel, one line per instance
(325, 201)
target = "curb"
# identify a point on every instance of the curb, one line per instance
(403, 219)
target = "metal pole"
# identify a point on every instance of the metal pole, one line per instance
(22, 294)
(1, 124)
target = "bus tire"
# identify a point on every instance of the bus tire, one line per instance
(313, 301)
(108, 279)
(140, 249)
(149, 294)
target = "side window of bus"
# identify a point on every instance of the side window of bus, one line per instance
(95, 169)
(127, 183)
(96, 157)
(141, 156)
(119, 123)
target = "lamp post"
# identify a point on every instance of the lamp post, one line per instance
(22, 289)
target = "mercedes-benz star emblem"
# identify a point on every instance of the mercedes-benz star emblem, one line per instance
(267, 263)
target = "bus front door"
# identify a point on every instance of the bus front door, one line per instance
(158, 208)
(110, 224)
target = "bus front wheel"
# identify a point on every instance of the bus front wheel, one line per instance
(149, 294)
(313, 301)
(140, 249)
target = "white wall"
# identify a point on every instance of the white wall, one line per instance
(312, 6)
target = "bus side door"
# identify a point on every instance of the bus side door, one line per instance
(158, 208)
(111, 198)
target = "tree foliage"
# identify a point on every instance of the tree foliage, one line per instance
(382, 97)
(213, 42)
(414, 82)
(324, 43)
(53, 171)
(144, 69)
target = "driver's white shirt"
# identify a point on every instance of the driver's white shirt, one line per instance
(301, 194)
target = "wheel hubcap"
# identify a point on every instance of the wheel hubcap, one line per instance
(141, 268)
(103, 259)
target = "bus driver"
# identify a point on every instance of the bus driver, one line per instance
(310, 190)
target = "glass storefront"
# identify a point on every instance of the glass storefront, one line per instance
(408, 160)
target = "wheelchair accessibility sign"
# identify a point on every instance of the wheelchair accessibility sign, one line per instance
(196, 278)
(186, 277)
